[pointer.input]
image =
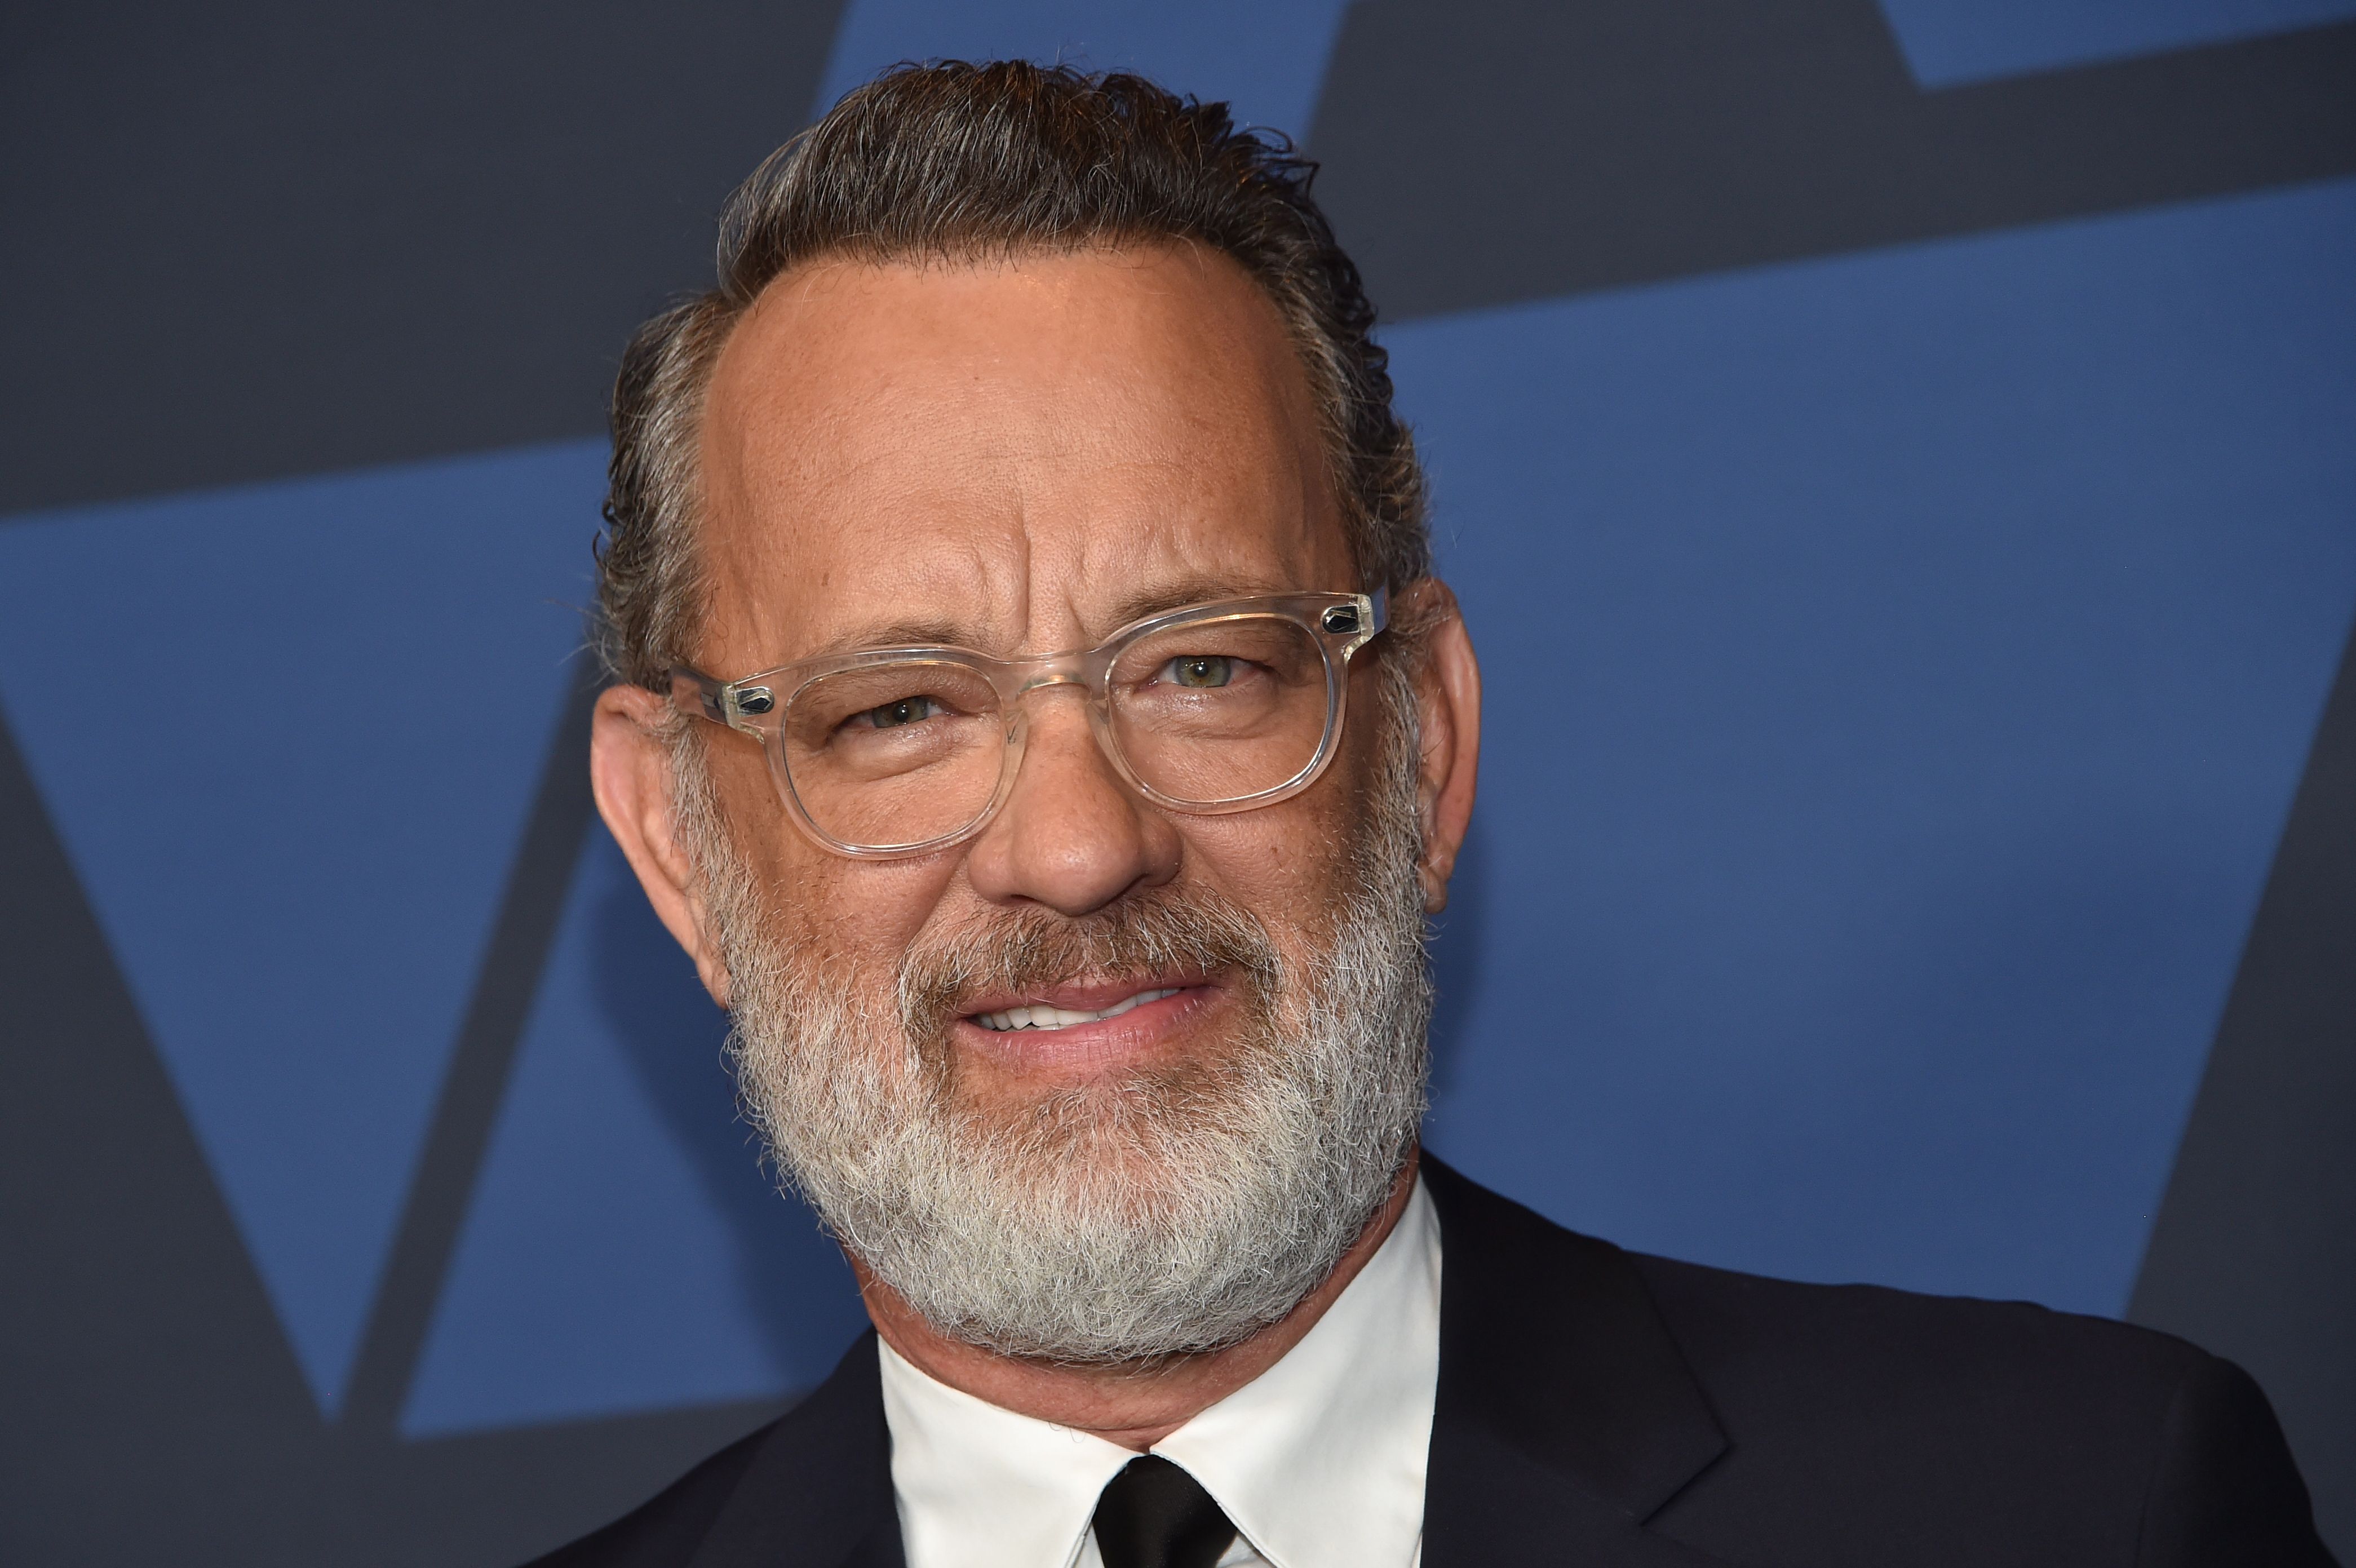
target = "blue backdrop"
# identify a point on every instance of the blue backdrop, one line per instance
(1900, 666)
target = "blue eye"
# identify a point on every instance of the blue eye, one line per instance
(1201, 672)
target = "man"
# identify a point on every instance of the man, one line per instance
(1038, 719)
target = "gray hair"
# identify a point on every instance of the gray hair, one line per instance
(1161, 1213)
(972, 162)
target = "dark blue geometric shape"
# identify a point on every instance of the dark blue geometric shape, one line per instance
(624, 1250)
(288, 734)
(1266, 60)
(1899, 668)
(1951, 41)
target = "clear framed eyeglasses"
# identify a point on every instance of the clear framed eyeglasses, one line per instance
(901, 751)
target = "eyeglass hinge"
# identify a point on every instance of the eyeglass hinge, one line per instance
(755, 700)
(1340, 619)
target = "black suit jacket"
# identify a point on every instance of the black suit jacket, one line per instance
(1598, 1407)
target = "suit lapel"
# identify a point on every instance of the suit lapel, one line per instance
(1565, 1415)
(818, 1493)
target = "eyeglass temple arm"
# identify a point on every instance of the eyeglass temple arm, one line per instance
(710, 696)
(1338, 620)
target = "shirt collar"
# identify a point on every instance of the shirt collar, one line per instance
(1320, 1460)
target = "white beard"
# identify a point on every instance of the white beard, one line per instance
(1152, 1214)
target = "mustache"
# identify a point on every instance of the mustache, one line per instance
(1145, 936)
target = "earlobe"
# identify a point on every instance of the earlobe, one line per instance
(629, 771)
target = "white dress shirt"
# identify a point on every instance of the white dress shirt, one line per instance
(1319, 1460)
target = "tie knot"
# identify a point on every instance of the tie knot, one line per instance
(1155, 1515)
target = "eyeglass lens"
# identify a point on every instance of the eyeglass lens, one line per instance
(910, 751)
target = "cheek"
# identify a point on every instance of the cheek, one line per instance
(756, 821)
(1290, 863)
(837, 913)
(1285, 864)
(864, 915)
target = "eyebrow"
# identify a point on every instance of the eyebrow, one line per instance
(925, 631)
(1185, 591)
(938, 631)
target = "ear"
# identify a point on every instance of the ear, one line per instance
(629, 771)
(1448, 700)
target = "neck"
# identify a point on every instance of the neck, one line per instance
(1135, 1406)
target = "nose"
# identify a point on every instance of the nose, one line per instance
(1073, 835)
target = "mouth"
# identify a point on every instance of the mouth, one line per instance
(1086, 1028)
(1047, 1015)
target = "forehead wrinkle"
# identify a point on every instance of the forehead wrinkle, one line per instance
(1225, 478)
(972, 594)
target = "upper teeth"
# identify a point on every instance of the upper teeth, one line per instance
(1039, 1016)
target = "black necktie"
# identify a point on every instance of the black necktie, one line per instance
(1154, 1515)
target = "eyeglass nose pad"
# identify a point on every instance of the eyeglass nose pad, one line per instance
(1018, 741)
(1018, 732)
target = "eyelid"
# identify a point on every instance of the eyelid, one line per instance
(1238, 666)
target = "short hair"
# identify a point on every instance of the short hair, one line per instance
(965, 162)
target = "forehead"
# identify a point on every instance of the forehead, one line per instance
(1011, 454)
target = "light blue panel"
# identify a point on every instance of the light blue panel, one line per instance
(1266, 60)
(289, 734)
(1899, 668)
(624, 1250)
(1951, 41)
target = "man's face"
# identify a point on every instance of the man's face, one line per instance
(1021, 459)
(1215, 1067)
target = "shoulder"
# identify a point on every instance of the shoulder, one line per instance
(1773, 1349)
(2081, 1438)
(813, 1486)
(1855, 1424)
(670, 1527)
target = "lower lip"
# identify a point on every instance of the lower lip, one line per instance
(1099, 1043)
